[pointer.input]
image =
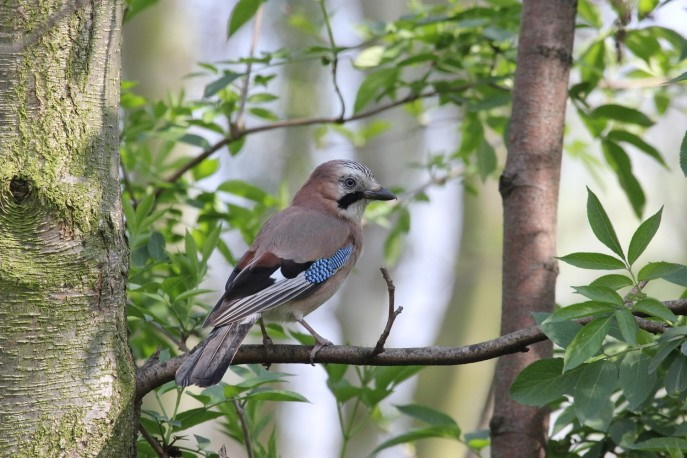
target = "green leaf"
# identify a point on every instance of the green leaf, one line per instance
(486, 160)
(600, 294)
(654, 308)
(627, 324)
(645, 7)
(592, 62)
(427, 414)
(374, 86)
(601, 224)
(660, 444)
(677, 79)
(679, 277)
(613, 281)
(581, 310)
(195, 140)
(586, 343)
(623, 114)
(219, 84)
(617, 159)
(412, 436)
(655, 270)
(643, 235)
(193, 417)
(637, 142)
(369, 57)
(664, 350)
(561, 332)
(592, 392)
(277, 395)
(635, 379)
(205, 169)
(264, 113)
(542, 382)
(595, 261)
(247, 191)
(242, 13)
(676, 377)
(156, 246)
(683, 155)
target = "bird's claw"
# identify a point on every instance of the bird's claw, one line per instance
(319, 345)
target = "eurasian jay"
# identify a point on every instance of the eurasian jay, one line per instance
(297, 262)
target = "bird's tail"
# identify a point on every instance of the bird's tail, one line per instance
(210, 359)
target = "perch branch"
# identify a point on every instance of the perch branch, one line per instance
(155, 373)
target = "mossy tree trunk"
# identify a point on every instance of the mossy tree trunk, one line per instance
(66, 372)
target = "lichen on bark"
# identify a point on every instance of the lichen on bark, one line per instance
(66, 373)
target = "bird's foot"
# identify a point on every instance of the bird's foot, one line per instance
(319, 345)
(266, 341)
(320, 342)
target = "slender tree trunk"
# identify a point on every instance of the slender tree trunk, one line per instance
(529, 188)
(66, 372)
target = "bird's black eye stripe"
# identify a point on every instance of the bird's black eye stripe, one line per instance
(350, 198)
(349, 182)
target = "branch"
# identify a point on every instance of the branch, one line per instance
(244, 426)
(155, 373)
(238, 134)
(153, 442)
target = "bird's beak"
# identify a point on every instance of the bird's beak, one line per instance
(379, 194)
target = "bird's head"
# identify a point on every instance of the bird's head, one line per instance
(343, 187)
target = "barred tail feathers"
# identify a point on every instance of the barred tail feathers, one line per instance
(211, 358)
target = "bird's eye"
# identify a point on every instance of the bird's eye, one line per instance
(349, 183)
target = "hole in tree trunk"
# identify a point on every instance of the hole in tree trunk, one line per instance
(20, 189)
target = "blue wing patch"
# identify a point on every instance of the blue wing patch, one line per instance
(324, 268)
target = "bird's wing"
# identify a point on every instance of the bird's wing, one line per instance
(288, 260)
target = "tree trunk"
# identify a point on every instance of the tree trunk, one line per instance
(66, 372)
(529, 188)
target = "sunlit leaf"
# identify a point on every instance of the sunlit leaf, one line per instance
(643, 235)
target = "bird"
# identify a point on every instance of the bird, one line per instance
(298, 260)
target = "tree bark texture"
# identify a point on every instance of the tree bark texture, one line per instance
(529, 188)
(67, 382)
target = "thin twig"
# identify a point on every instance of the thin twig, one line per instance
(335, 59)
(238, 121)
(153, 442)
(244, 426)
(393, 313)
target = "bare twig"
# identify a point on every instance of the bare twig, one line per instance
(335, 59)
(155, 373)
(238, 121)
(153, 442)
(393, 313)
(244, 426)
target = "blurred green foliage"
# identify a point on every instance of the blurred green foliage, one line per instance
(619, 387)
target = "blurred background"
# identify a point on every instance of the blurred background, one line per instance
(448, 274)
